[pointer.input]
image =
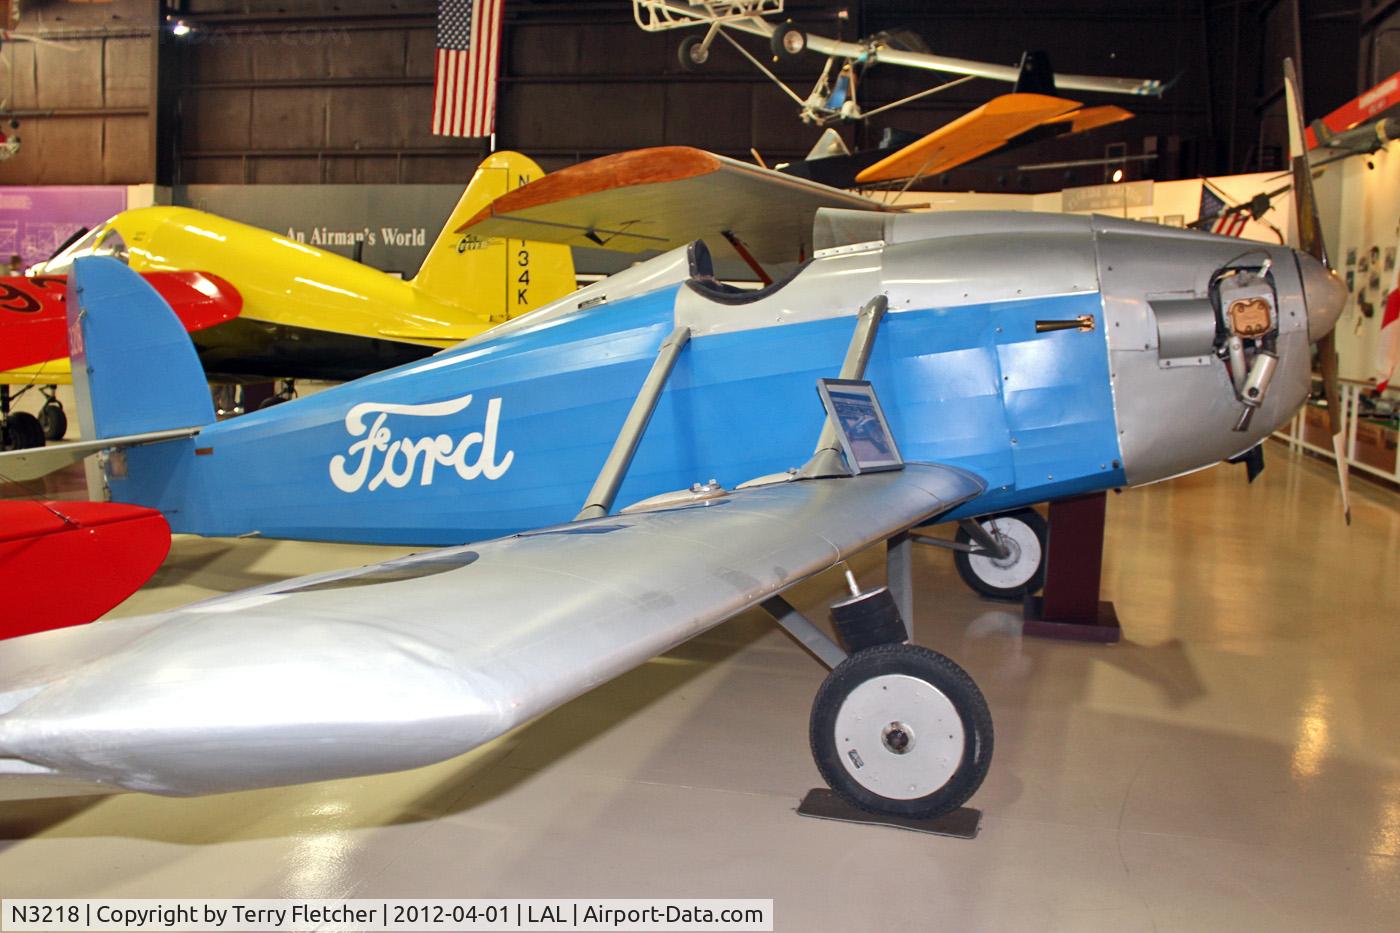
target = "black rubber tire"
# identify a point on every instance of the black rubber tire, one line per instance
(272, 401)
(54, 421)
(963, 561)
(690, 47)
(22, 432)
(788, 42)
(926, 665)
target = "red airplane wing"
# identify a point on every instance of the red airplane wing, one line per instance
(33, 324)
(66, 563)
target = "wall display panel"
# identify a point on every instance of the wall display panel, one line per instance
(35, 222)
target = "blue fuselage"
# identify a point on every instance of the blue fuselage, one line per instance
(508, 434)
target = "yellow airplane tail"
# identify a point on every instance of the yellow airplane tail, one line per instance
(497, 277)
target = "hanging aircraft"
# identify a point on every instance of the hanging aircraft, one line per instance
(1109, 353)
(310, 313)
(833, 97)
(1034, 110)
(1361, 125)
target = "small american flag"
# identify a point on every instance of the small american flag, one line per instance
(1227, 221)
(468, 57)
(1231, 223)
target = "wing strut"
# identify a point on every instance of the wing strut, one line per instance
(604, 491)
(826, 459)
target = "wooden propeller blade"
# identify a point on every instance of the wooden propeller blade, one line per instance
(1310, 240)
(1331, 388)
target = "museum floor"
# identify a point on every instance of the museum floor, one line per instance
(1233, 764)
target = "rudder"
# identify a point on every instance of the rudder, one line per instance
(496, 278)
(134, 368)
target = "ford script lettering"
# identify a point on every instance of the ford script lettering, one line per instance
(400, 459)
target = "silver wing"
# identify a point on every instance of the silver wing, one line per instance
(417, 660)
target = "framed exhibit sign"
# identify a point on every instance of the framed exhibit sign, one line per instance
(861, 428)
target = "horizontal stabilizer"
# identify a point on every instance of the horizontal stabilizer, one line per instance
(24, 465)
(420, 659)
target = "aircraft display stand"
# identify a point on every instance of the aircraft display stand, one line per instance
(1070, 607)
(822, 804)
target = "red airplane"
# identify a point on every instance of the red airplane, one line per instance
(113, 548)
(33, 326)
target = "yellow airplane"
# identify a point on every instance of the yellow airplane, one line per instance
(308, 313)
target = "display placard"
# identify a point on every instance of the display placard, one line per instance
(861, 428)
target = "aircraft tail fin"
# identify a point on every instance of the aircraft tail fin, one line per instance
(135, 371)
(496, 277)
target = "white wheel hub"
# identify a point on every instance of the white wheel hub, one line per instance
(1021, 561)
(899, 736)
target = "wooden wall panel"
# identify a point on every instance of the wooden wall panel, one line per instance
(72, 102)
(285, 55)
(395, 117)
(21, 78)
(589, 116)
(454, 169)
(222, 171)
(282, 171)
(56, 152)
(325, 79)
(69, 79)
(365, 53)
(419, 53)
(126, 149)
(210, 60)
(126, 77)
(291, 118)
(217, 119)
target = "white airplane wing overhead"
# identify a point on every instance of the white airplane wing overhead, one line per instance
(663, 198)
(857, 51)
(417, 660)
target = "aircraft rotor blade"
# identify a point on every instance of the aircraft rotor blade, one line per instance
(1311, 241)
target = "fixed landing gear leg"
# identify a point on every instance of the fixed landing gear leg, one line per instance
(900, 733)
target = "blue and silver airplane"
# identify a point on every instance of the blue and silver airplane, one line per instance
(1003, 359)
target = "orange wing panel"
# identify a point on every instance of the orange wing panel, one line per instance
(1091, 118)
(974, 134)
(623, 170)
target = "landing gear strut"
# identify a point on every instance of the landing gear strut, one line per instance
(1020, 567)
(52, 418)
(896, 729)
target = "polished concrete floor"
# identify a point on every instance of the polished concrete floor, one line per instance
(1234, 764)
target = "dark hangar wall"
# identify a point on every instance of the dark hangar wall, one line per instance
(84, 110)
(339, 91)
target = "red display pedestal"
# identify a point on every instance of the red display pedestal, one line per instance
(1070, 607)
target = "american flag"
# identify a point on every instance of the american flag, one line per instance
(468, 57)
(1227, 222)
